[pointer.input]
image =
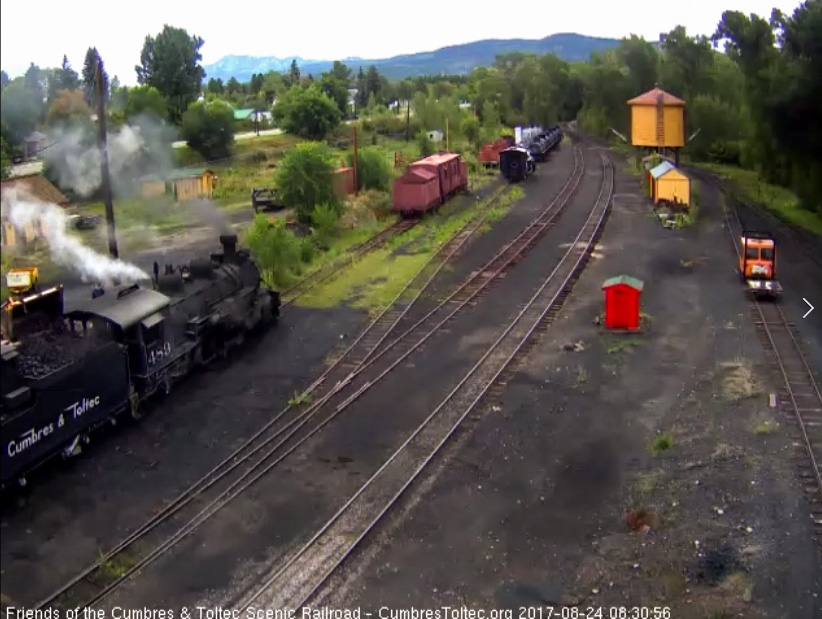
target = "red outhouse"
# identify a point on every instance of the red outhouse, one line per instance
(622, 302)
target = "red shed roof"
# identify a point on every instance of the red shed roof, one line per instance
(437, 159)
(652, 97)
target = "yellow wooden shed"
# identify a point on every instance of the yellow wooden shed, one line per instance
(669, 184)
(657, 120)
(184, 184)
(34, 186)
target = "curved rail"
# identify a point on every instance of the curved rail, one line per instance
(779, 338)
(382, 325)
(294, 583)
(315, 278)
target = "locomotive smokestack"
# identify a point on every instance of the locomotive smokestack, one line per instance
(229, 243)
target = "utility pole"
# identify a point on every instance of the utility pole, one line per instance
(356, 185)
(106, 179)
(447, 136)
(408, 120)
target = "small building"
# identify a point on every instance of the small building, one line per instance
(183, 184)
(657, 121)
(669, 185)
(344, 182)
(622, 302)
(435, 136)
(33, 144)
(35, 186)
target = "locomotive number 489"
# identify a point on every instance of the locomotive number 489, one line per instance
(159, 353)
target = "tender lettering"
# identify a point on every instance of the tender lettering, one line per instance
(27, 439)
(34, 435)
(83, 406)
(160, 353)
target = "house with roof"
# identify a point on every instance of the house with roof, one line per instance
(34, 186)
(183, 184)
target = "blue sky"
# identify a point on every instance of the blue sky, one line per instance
(329, 30)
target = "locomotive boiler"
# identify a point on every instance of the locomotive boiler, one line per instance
(65, 373)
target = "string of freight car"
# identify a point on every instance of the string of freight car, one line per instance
(312, 280)
(294, 583)
(311, 413)
(800, 400)
(382, 324)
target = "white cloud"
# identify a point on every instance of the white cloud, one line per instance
(329, 30)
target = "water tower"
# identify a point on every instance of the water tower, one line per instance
(658, 122)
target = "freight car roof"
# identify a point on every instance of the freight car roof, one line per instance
(437, 159)
(125, 308)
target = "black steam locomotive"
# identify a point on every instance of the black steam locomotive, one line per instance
(63, 374)
(520, 161)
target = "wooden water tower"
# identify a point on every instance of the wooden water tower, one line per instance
(658, 122)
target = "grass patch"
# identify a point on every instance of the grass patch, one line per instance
(661, 443)
(738, 380)
(778, 200)
(115, 567)
(613, 346)
(647, 482)
(300, 398)
(581, 377)
(764, 426)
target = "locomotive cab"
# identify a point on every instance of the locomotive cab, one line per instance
(757, 264)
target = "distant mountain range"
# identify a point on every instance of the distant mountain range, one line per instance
(452, 60)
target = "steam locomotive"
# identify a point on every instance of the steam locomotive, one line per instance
(520, 161)
(64, 374)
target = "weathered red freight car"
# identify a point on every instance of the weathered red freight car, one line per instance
(416, 190)
(489, 154)
(446, 173)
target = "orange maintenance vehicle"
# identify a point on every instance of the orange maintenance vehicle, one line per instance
(757, 263)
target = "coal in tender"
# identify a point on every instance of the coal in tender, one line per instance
(50, 350)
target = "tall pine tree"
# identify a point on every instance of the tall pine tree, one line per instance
(89, 76)
(294, 73)
(69, 79)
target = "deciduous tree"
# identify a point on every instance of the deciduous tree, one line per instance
(307, 112)
(209, 128)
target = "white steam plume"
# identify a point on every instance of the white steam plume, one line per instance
(66, 250)
(137, 148)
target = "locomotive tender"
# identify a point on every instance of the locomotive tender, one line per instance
(63, 374)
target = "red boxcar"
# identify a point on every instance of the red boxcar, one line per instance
(489, 154)
(448, 173)
(416, 190)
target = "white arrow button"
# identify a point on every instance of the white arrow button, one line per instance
(809, 305)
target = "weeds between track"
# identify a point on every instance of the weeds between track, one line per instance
(294, 583)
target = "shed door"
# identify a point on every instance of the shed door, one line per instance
(621, 306)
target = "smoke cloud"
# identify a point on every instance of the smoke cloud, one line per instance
(68, 251)
(210, 214)
(138, 148)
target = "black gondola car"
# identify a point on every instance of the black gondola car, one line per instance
(66, 373)
(516, 163)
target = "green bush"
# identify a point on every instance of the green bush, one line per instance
(305, 178)
(209, 128)
(470, 129)
(276, 250)
(425, 144)
(391, 124)
(307, 112)
(325, 219)
(373, 169)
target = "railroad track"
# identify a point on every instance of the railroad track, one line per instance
(799, 398)
(89, 585)
(302, 574)
(330, 269)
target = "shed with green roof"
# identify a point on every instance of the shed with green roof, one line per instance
(622, 302)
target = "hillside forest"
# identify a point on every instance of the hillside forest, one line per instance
(752, 89)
